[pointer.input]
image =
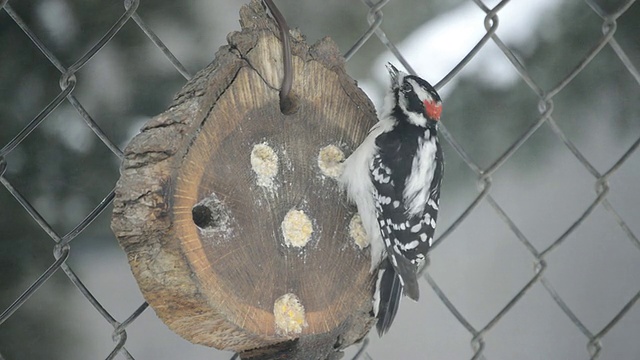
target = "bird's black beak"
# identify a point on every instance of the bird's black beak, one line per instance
(393, 72)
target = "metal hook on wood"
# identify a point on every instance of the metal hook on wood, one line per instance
(287, 101)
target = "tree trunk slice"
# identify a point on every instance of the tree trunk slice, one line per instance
(229, 211)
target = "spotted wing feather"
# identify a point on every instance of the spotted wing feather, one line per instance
(390, 211)
(406, 238)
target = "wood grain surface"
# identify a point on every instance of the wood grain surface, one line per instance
(201, 207)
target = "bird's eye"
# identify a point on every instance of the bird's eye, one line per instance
(406, 87)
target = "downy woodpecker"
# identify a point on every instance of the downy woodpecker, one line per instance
(394, 178)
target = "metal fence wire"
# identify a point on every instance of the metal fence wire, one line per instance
(545, 96)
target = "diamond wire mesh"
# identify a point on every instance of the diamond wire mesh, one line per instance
(67, 82)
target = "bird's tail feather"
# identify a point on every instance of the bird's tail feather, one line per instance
(407, 273)
(387, 298)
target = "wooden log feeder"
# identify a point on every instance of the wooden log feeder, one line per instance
(229, 210)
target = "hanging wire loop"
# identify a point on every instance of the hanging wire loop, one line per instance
(287, 100)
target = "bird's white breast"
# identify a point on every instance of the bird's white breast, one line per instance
(423, 167)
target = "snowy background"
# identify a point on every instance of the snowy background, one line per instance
(64, 170)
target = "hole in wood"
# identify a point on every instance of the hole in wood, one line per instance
(289, 104)
(264, 162)
(210, 214)
(330, 161)
(357, 232)
(296, 228)
(204, 217)
(289, 315)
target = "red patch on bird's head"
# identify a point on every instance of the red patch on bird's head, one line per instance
(433, 109)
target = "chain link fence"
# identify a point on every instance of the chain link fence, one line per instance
(484, 175)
